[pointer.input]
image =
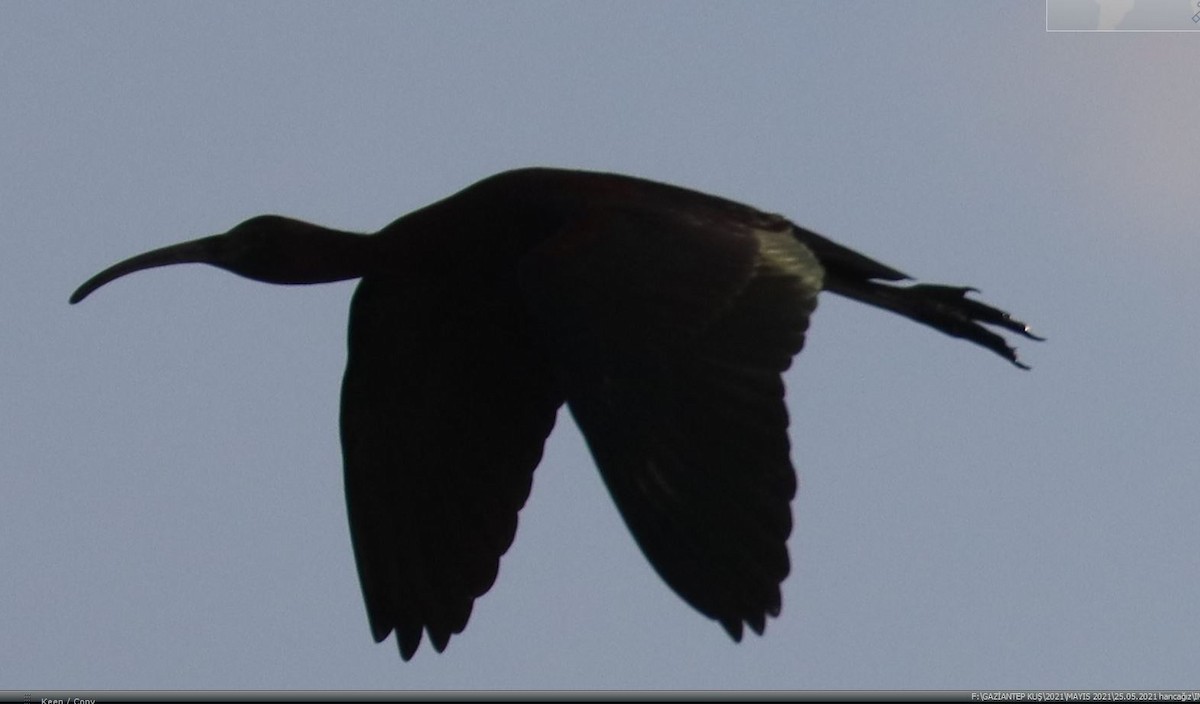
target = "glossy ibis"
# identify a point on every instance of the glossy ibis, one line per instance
(661, 316)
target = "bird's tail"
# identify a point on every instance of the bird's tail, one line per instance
(945, 308)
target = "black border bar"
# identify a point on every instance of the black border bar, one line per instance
(1021, 696)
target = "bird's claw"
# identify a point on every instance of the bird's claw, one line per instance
(965, 317)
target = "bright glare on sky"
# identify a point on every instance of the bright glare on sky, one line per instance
(171, 509)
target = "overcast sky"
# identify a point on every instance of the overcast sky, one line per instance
(171, 510)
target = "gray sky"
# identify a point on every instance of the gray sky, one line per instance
(171, 511)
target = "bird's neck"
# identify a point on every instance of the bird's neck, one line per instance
(298, 252)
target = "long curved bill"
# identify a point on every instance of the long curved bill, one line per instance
(199, 251)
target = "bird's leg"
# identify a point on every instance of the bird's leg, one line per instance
(945, 308)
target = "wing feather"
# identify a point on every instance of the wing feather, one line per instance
(671, 332)
(445, 409)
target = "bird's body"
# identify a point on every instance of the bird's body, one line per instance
(662, 317)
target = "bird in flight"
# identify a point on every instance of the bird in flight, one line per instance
(662, 317)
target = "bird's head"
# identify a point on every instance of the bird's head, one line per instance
(268, 248)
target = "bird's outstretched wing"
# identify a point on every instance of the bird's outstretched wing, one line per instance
(671, 328)
(445, 409)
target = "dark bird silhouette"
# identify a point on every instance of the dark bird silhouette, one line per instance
(661, 316)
